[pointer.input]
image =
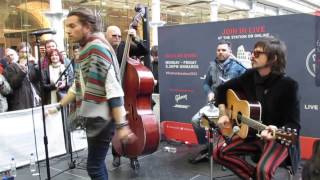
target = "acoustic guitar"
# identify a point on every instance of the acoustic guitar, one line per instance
(247, 115)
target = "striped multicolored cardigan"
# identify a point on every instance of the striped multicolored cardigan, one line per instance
(92, 66)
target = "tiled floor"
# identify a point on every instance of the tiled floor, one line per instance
(160, 165)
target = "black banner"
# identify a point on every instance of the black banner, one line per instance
(186, 50)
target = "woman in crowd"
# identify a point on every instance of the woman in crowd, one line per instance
(51, 83)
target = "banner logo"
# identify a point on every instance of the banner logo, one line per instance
(178, 98)
(311, 62)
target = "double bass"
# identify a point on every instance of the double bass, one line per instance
(137, 82)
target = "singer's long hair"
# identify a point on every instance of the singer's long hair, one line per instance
(275, 51)
(88, 17)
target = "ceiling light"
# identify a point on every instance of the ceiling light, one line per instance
(182, 13)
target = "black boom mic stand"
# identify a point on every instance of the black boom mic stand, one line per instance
(37, 34)
(64, 73)
(211, 115)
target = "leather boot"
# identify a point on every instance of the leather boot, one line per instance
(116, 161)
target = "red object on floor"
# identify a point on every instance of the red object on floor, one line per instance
(307, 146)
(183, 132)
(179, 131)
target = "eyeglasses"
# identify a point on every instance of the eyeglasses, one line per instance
(257, 54)
(114, 35)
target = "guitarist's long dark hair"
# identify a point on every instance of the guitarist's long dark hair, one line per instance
(275, 50)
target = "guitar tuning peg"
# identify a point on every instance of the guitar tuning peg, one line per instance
(295, 131)
(289, 129)
(283, 128)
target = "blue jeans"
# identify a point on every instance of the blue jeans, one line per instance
(97, 149)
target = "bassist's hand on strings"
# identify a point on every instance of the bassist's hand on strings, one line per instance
(269, 133)
(132, 32)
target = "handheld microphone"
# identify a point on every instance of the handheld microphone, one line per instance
(43, 31)
(235, 129)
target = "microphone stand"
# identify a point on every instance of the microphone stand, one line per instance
(211, 115)
(67, 131)
(211, 133)
(45, 138)
(64, 72)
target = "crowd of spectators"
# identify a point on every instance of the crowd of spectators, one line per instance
(20, 76)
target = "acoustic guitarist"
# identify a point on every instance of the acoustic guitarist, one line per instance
(267, 83)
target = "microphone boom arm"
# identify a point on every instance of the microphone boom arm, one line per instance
(63, 73)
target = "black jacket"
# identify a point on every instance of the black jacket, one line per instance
(20, 82)
(278, 95)
(137, 49)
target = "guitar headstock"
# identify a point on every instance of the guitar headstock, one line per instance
(286, 136)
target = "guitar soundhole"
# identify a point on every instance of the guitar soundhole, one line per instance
(239, 115)
(234, 119)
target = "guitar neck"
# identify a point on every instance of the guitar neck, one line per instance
(252, 123)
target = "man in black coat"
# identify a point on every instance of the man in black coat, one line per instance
(278, 94)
